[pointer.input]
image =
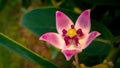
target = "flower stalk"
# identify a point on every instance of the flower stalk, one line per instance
(112, 56)
(77, 61)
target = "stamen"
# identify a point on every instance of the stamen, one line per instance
(72, 26)
(67, 40)
(76, 40)
(79, 32)
(64, 32)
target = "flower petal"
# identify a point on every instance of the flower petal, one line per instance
(54, 39)
(83, 22)
(62, 22)
(69, 53)
(90, 38)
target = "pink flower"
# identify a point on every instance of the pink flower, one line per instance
(71, 39)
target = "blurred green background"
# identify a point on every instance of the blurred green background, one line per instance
(11, 11)
(10, 15)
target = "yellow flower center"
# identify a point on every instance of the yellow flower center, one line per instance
(71, 33)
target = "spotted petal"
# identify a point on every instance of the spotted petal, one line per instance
(54, 39)
(69, 53)
(62, 22)
(90, 38)
(83, 22)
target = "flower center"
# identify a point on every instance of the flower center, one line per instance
(72, 36)
(71, 33)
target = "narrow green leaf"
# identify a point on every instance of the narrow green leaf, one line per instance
(24, 52)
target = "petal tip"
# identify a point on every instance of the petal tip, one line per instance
(97, 33)
(69, 53)
(91, 37)
(86, 12)
(58, 13)
(42, 37)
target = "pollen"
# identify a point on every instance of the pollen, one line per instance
(71, 33)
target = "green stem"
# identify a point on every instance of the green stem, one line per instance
(77, 61)
(113, 54)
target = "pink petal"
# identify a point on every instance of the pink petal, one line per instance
(91, 37)
(62, 22)
(83, 22)
(54, 39)
(69, 53)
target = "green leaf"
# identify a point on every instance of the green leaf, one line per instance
(117, 64)
(54, 52)
(105, 33)
(24, 52)
(97, 48)
(42, 20)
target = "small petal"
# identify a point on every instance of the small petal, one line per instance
(90, 38)
(83, 22)
(69, 53)
(62, 22)
(54, 39)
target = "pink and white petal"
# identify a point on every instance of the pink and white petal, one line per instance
(83, 41)
(90, 38)
(54, 39)
(62, 22)
(83, 21)
(69, 53)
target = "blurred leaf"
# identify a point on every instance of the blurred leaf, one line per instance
(117, 64)
(42, 20)
(24, 52)
(105, 33)
(2, 4)
(97, 48)
(54, 52)
(104, 2)
(117, 13)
